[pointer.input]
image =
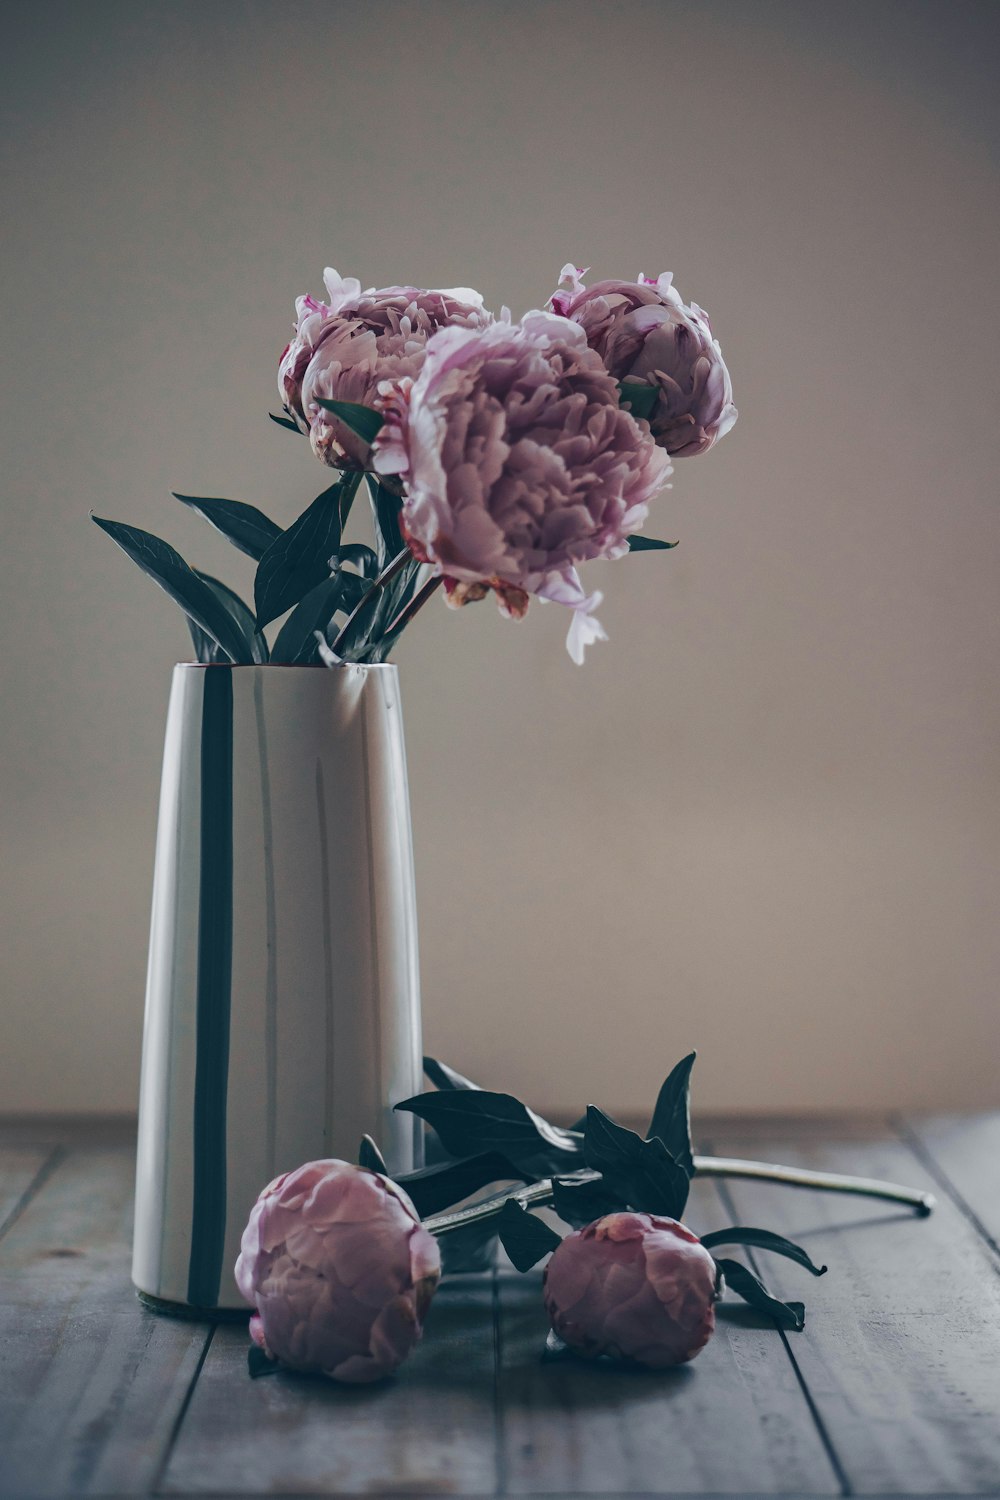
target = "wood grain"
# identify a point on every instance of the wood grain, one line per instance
(732, 1421)
(90, 1385)
(900, 1349)
(964, 1152)
(430, 1430)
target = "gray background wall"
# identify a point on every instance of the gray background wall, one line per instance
(763, 820)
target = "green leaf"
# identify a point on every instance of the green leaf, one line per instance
(471, 1248)
(525, 1238)
(205, 649)
(762, 1239)
(745, 1284)
(244, 525)
(371, 1157)
(436, 1188)
(287, 423)
(639, 397)
(364, 420)
(444, 1077)
(258, 1363)
(671, 1122)
(295, 643)
(299, 558)
(648, 544)
(386, 511)
(643, 1172)
(473, 1120)
(167, 568)
(361, 556)
(242, 617)
(580, 1203)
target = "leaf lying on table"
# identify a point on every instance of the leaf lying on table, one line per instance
(526, 1239)
(371, 1157)
(471, 1120)
(643, 1172)
(580, 1203)
(746, 1285)
(671, 1122)
(762, 1239)
(444, 1077)
(436, 1188)
(258, 1363)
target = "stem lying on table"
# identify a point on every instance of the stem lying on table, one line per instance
(538, 1194)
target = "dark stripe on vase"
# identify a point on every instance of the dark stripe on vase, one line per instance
(215, 966)
(271, 931)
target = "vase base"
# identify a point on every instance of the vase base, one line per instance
(167, 1309)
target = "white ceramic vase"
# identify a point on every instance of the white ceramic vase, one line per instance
(282, 1005)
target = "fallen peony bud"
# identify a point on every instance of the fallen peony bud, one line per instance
(634, 1286)
(340, 1269)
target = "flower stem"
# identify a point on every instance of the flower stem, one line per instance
(417, 602)
(538, 1194)
(370, 596)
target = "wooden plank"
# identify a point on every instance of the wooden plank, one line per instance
(90, 1384)
(21, 1171)
(901, 1350)
(732, 1421)
(965, 1152)
(429, 1430)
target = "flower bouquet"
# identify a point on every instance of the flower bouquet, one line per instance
(499, 457)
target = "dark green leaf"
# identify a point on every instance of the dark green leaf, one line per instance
(167, 568)
(205, 649)
(471, 1248)
(639, 397)
(444, 1077)
(745, 1284)
(386, 511)
(371, 1157)
(299, 558)
(580, 1203)
(642, 1172)
(525, 1238)
(436, 1188)
(363, 420)
(361, 556)
(295, 643)
(671, 1121)
(244, 525)
(287, 423)
(258, 1363)
(242, 617)
(762, 1239)
(473, 1120)
(648, 544)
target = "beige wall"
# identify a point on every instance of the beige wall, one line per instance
(764, 819)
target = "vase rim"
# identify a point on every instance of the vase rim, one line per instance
(288, 666)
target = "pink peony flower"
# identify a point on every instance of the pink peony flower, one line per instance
(342, 349)
(340, 1270)
(635, 1286)
(643, 332)
(519, 464)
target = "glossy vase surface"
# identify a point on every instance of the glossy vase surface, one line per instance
(282, 1004)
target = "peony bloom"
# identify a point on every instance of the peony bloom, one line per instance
(635, 1286)
(643, 332)
(342, 349)
(340, 1270)
(519, 464)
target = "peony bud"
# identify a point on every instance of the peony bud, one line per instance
(635, 1286)
(340, 1269)
(645, 334)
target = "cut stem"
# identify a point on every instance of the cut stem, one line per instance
(538, 1194)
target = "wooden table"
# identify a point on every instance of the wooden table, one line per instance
(892, 1389)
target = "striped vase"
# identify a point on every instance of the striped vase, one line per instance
(282, 1003)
